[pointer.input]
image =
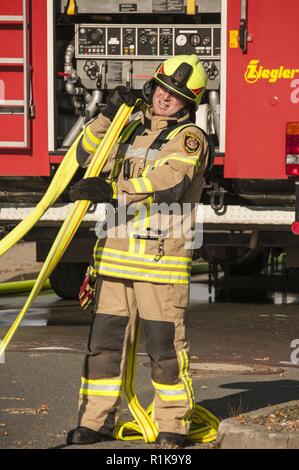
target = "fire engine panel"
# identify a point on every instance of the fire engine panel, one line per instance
(101, 55)
(145, 44)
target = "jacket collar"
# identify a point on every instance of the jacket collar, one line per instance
(156, 123)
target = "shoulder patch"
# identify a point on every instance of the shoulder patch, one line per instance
(191, 143)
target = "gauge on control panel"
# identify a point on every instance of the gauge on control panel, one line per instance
(194, 40)
(153, 40)
(181, 40)
(129, 39)
(143, 39)
(166, 40)
(95, 36)
(206, 41)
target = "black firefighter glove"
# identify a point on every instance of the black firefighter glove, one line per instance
(116, 98)
(94, 189)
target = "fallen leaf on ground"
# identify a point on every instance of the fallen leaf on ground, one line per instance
(43, 409)
(12, 398)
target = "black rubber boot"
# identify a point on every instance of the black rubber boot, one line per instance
(84, 436)
(171, 439)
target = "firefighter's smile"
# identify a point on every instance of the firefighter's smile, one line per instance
(163, 104)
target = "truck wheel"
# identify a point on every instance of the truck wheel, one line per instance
(66, 279)
(251, 267)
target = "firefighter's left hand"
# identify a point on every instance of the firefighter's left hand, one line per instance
(94, 189)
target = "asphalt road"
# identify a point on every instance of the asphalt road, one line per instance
(241, 360)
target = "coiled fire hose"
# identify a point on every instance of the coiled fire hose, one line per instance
(205, 425)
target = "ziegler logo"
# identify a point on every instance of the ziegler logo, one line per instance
(256, 72)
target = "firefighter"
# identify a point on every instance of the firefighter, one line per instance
(160, 158)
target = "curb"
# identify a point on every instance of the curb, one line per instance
(234, 435)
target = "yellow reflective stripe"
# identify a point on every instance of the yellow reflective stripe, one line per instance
(172, 398)
(128, 131)
(114, 188)
(121, 273)
(131, 257)
(173, 133)
(147, 220)
(142, 223)
(189, 160)
(148, 184)
(142, 246)
(125, 253)
(185, 267)
(148, 169)
(84, 391)
(132, 244)
(89, 148)
(135, 245)
(142, 185)
(101, 387)
(179, 274)
(136, 184)
(95, 140)
(186, 379)
(90, 141)
(117, 167)
(170, 392)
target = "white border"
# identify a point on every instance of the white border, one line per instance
(50, 75)
(223, 81)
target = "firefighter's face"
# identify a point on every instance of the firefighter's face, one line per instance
(165, 103)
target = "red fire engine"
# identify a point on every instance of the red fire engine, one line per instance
(59, 59)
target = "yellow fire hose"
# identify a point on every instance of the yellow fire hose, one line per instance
(16, 287)
(73, 219)
(205, 425)
(61, 179)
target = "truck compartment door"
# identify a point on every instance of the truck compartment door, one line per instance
(262, 76)
(15, 74)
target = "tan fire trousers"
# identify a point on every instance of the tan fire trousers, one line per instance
(161, 309)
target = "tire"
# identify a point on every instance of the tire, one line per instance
(66, 279)
(251, 267)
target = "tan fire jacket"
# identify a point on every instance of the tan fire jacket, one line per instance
(157, 189)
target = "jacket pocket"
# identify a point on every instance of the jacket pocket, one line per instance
(181, 295)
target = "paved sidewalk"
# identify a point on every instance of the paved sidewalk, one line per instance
(39, 393)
